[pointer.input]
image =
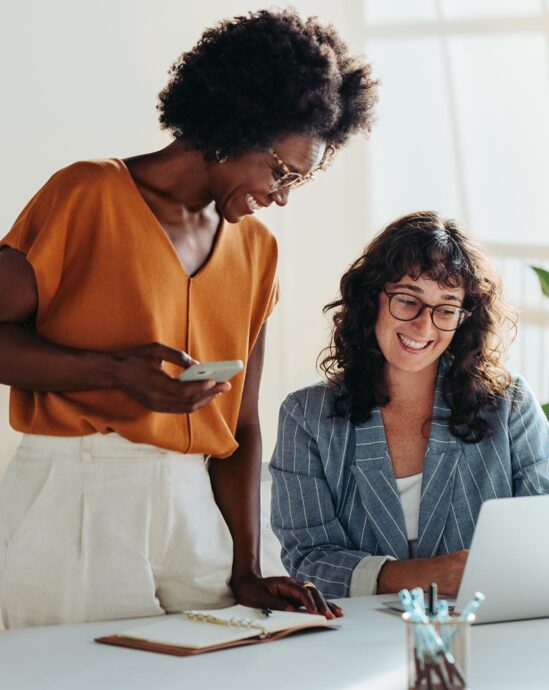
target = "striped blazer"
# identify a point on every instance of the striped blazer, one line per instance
(336, 509)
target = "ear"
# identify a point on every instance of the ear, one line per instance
(220, 157)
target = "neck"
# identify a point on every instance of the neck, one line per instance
(411, 388)
(175, 172)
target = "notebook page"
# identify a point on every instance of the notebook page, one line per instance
(177, 630)
(180, 631)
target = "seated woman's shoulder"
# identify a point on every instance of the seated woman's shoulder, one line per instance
(518, 398)
(518, 390)
(312, 401)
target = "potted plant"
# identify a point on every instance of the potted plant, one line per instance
(543, 276)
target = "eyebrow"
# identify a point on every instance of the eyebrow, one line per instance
(293, 169)
(290, 167)
(415, 288)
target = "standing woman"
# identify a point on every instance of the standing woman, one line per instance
(380, 472)
(118, 274)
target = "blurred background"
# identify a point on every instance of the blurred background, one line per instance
(462, 128)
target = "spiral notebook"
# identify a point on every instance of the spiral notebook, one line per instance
(196, 632)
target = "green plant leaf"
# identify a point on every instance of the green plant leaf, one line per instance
(543, 276)
(545, 408)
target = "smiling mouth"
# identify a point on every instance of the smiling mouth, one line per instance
(413, 344)
(253, 204)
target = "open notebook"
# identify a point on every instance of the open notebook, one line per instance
(195, 632)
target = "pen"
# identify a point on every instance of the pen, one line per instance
(433, 599)
(472, 606)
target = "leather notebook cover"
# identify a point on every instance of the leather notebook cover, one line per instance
(176, 650)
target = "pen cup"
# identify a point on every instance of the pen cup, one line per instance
(438, 653)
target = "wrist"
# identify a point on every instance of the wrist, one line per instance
(388, 579)
(106, 366)
(407, 573)
(239, 576)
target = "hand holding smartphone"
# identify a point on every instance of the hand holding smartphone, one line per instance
(213, 371)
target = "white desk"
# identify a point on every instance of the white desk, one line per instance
(368, 653)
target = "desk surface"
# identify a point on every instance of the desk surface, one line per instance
(367, 653)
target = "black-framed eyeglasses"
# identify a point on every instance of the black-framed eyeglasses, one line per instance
(405, 307)
(290, 179)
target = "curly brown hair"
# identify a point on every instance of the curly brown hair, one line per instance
(422, 244)
(252, 80)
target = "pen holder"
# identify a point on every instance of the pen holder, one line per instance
(438, 653)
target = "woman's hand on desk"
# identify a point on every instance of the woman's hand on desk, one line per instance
(139, 373)
(282, 594)
(446, 571)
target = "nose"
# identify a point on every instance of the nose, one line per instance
(280, 197)
(423, 322)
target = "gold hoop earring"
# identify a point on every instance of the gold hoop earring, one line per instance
(219, 157)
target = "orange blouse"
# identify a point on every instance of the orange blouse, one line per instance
(109, 278)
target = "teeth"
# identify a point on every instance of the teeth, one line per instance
(412, 343)
(252, 203)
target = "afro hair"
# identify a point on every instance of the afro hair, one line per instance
(252, 80)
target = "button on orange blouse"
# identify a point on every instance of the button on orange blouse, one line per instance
(109, 279)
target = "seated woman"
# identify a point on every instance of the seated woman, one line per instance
(380, 472)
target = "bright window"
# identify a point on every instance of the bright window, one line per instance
(462, 129)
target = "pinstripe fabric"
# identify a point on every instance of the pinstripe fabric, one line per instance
(335, 499)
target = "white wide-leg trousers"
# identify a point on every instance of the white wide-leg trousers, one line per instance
(96, 527)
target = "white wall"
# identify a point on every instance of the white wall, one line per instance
(79, 79)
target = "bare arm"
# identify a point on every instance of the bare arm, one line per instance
(31, 362)
(235, 480)
(446, 571)
(235, 483)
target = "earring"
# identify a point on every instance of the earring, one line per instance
(219, 157)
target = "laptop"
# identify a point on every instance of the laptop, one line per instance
(508, 561)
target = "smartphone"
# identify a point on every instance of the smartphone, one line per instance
(213, 371)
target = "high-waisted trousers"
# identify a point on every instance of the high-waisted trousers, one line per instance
(97, 527)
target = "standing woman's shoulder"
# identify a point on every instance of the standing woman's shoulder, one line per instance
(260, 242)
(85, 175)
(69, 192)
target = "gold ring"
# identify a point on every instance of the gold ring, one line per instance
(308, 585)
